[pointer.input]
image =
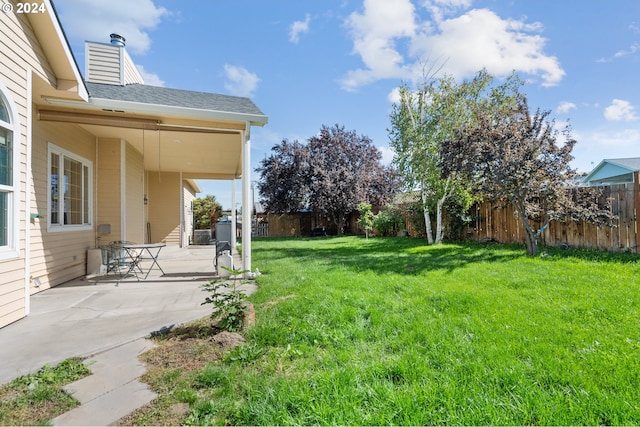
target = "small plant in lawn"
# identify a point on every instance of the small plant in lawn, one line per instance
(230, 306)
(365, 222)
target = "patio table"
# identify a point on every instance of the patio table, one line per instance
(136, 254)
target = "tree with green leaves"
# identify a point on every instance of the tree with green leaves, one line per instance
(512, 155)
(284, 183)
(206, 212)
(365, 220)
(334, 171)
(422, 120)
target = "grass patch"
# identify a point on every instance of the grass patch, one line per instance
(180, 371)
(391, 331)
(36, 399)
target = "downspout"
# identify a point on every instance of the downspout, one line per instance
(246, 198)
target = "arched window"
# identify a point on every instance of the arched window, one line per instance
(8, 220)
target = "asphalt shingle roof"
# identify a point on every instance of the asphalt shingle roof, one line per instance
(173, 98)
(632, 163)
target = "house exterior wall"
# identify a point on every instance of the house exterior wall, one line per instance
(21, 59)
(120, 192)
(109, 204)
(134, 195)
(164, 206)
(57, 256)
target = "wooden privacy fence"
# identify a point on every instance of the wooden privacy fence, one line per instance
(497, 222)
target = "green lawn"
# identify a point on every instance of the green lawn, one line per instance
(392, 331)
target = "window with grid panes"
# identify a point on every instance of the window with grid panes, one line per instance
(6, 174)
(69, 190)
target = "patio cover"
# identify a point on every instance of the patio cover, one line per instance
(199, 135)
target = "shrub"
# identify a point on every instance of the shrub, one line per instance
(388, 222)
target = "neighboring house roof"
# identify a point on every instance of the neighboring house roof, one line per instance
(613, 171)
(140, 94)
(631, 163)
(406, 197)
(258, 208)
(194, 185)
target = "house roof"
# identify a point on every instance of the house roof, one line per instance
(233, 107)
(631, 163)
(614, 171)
(406, 197)
(50, 35)
(199, 135)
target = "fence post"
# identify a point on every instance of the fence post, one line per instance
(636, 197)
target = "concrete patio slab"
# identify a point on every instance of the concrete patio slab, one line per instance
(106, 319)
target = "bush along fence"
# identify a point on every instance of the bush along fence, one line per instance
(496, 222)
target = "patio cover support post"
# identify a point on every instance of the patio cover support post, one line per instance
(234, 216)
(246, 198)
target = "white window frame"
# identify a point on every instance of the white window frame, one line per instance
(62, 153)
(11, 249)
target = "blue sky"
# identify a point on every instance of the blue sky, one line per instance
(311, 63)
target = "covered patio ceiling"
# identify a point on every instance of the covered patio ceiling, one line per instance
(198, 149)
(198, 134)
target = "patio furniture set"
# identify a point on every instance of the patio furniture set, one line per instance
(129, 258)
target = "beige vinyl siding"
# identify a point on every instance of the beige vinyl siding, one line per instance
(20, 52)
(104, 63)
(134, 195)
(12, 294)
(110, 64)
(109, 188)
(120, 190)
(57, 256)
(131, 73)
(164, 206)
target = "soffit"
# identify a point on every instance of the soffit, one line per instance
(69, 83)
(200, 150)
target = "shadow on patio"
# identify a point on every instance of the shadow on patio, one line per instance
(87, 316)
(177, 264)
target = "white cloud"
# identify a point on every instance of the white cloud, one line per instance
(240, 81)
(594, 146)
(394, 96)
(620, 110)
(635, 47)
(467, 43)
(632, 49)
(151, 79)
(481, 39)
(625, 138)
(94, 20)
(387, 154)
(299, 27)
(374, 33)
(565, 107)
